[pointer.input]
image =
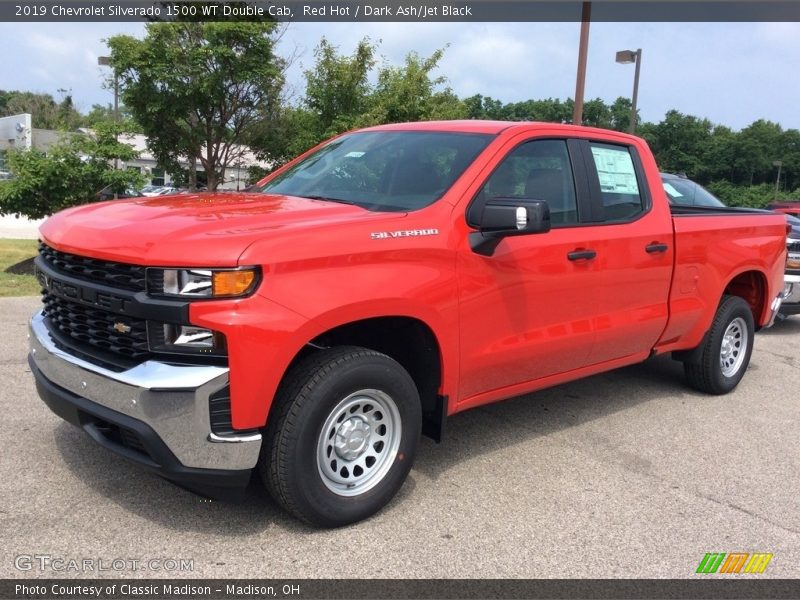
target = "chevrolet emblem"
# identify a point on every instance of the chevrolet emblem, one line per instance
(122, 327)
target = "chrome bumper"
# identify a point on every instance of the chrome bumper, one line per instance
(791, 289)
(173, 400)
(776, 308)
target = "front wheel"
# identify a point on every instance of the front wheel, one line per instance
(727, 349)
(342, 437)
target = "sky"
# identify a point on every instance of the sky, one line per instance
(730, 73)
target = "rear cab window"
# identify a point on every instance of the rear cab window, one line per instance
(620, 194)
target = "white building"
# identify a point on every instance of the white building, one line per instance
(16, 132)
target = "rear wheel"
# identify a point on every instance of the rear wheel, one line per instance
(727, 349)
(342, 437)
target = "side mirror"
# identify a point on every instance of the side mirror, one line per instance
(504, 217)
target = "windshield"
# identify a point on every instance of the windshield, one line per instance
(685, 192)
(382, 170)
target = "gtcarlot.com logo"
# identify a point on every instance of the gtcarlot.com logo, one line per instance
(734, 562)
(63, 564)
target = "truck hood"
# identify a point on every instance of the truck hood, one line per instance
(189, 230)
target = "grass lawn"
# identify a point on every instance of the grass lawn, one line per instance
(11, 253)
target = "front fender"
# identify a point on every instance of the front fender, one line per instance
(264, 338)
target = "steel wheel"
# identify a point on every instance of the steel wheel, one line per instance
(734, 347)
(718, 365)
(342, 437)
(358, 442)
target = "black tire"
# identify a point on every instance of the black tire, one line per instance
(708, 374)
(311, 396)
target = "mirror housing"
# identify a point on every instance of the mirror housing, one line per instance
(504, 217)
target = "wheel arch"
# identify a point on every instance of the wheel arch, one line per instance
(750, 285)
(408, 340)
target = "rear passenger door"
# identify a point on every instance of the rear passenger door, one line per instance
(633, 241)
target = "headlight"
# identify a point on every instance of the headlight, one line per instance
(185, 339)
(202, 283)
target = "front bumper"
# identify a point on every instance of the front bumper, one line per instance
(791, 295)
(155, 414)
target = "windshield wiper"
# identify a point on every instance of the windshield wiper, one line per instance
(329, 199)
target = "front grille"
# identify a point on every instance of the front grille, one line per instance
(95, 328)
(114, 274)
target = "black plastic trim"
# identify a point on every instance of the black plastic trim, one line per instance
(681, 210)
(114, 300)
(433, 421)
(580, 175)
(158, 458)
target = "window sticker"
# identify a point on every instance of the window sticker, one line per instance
(354, 154)
(615, 169)
(673, 193)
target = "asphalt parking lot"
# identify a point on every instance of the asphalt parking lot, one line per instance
(627, 474)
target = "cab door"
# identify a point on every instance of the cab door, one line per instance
(527, 311)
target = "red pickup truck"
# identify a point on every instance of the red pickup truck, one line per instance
(377, 284)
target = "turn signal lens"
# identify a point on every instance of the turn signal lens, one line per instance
(232, 283)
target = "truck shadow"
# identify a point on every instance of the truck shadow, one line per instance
(155, 499)
(468, 436)
(501, 425)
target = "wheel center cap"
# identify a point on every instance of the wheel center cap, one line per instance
(352, 438)
(726, 347)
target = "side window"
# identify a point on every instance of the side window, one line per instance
(619, 188)
(541, 170)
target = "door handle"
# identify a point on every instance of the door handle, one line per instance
(656, 247)
(582, 255)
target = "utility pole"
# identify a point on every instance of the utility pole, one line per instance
(583, 50)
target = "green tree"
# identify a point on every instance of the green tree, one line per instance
(337, 88)
(789, 154)
(620, 113)
(597, 113)
(678, 142)
(412, 93)
(758, 145)
(339, 97)
(198, 90)
(105, 112)
(72, 172)
(45, 112)
(718, 156)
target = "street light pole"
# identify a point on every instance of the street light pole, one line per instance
(626, 57)
(583, 50)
